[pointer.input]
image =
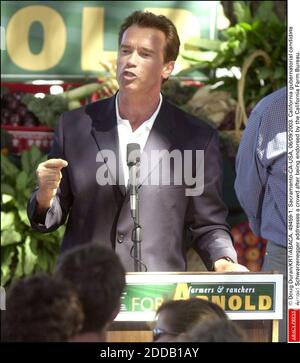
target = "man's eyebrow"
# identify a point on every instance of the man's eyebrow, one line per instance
(147, 50)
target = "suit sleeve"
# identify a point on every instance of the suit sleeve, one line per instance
(57, 214)
(207, 212)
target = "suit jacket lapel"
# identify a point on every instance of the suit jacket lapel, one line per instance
(160, 139)
(105, 133)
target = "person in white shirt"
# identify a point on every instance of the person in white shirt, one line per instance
(99, 212)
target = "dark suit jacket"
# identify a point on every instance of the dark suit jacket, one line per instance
(101, 214)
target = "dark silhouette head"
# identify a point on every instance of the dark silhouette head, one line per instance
(41, 309)
(99, 277)
(177, 316)
(216, 331)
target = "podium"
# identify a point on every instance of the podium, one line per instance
(252, 300)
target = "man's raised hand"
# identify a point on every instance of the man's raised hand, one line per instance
(49, 177)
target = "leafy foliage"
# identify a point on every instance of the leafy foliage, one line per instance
(178, 93)
(23, 250)
(46, 109)
(252, 32)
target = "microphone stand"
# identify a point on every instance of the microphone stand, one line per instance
(136, 235)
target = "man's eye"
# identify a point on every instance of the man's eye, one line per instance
(145, 55)
(125, 51)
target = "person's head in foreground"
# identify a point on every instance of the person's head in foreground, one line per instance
(99, 277)
(41, 309)
(216, 331)
(175, 317)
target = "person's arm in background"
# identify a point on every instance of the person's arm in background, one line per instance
(207, 213)
(50, 202)
(251, 175)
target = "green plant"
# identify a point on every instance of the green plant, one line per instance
(46, 109)
(177, 92)
(262, 31)
(23, 250)
(49, 108)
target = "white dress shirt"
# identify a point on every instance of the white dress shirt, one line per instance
(127, 136)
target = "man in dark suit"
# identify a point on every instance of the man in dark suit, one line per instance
(70, 185)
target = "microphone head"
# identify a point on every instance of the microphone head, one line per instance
(133, 154)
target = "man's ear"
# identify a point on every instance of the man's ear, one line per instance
(167, 69)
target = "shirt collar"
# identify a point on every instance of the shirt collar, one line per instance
(147, 124)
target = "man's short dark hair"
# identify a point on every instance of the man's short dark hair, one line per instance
(160, 22)
(99, 277)
(41, 309)
(218, 331)
(183, 314)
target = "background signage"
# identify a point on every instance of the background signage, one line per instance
(69, 39)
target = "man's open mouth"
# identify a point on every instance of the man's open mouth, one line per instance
(128, 74)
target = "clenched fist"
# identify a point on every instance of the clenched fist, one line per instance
(49, 177)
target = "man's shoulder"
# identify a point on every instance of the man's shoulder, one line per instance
(274, 99)
(90, 110)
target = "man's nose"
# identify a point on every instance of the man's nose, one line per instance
(132, 59)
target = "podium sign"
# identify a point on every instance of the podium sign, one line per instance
(242, 296)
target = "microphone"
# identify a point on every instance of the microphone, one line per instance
(133, 160)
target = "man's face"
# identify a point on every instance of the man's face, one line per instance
(140, 65)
